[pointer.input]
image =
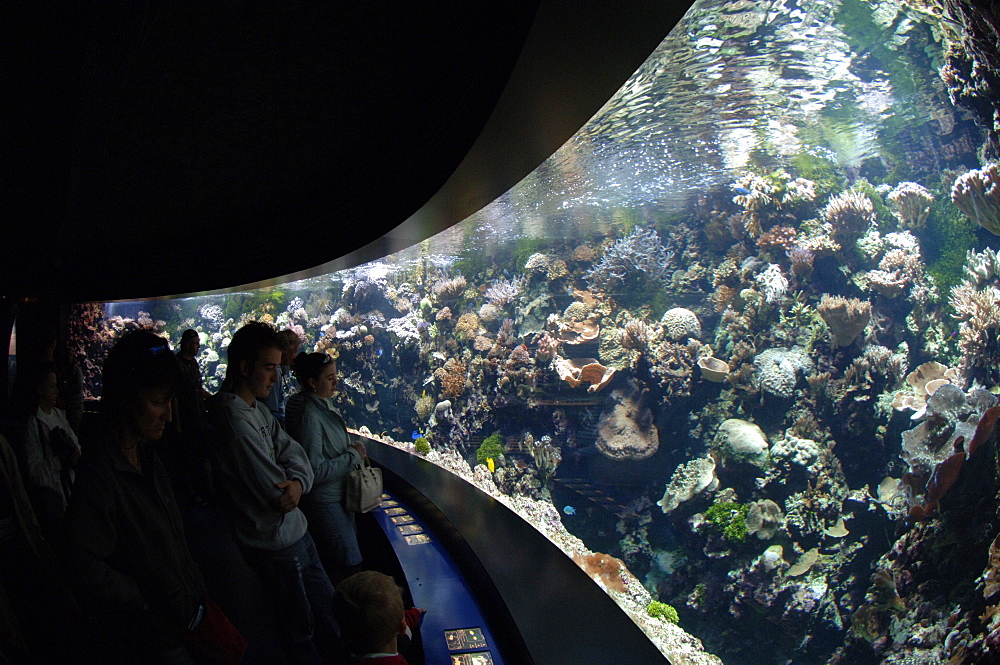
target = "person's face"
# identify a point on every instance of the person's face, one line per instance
(153, 412)
(263, 373)
(288, 355)
(325, 383)
(48, 391)
(190, 346)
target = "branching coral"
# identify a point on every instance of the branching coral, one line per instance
(977, 304)
(448, 288)
(502, 291)
(773, 284)
(897, 269)
(641, 254)
(977, 194)
(452, 378)
(758, 194)
(850, 214)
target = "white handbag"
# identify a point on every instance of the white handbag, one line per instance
(364, 487)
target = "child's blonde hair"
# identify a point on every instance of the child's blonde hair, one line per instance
(374, 610)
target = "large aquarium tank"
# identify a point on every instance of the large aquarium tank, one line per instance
(741, 335)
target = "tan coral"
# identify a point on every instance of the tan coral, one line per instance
(713, 369)
(851, 214)
(845, 317)
(977, 194)
(930, 371)
(575, 371)
(627, 430)
(912, 204)
(578, 332)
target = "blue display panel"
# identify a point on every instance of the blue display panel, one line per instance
(454, 629)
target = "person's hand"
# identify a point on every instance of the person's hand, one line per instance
(291, 493)
(360, 447)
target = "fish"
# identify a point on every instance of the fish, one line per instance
(416, 434)
(742, 190)
(378, 352)
(569, 510)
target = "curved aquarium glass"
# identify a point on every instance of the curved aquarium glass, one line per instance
(740, 334)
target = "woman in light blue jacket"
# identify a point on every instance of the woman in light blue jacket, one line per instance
(315, 423)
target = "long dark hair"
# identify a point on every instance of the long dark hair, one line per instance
(308, 366)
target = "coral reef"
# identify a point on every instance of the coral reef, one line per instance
(604, 342)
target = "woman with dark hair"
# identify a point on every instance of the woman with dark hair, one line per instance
(316, 424)
(124, 541)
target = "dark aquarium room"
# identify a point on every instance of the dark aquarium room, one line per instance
(702, 368)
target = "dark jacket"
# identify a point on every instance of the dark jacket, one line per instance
(125, 550)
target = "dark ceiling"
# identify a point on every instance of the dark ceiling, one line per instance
(154, 149)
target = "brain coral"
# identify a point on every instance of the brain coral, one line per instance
(777, 368)
(680, 323)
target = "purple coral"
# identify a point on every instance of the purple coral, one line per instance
(640, 254)
(503, 291)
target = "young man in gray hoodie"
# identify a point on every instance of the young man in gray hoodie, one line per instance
(262, 473)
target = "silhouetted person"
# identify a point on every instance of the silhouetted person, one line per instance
(125, 548)
(278, 394)
(192, 421)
